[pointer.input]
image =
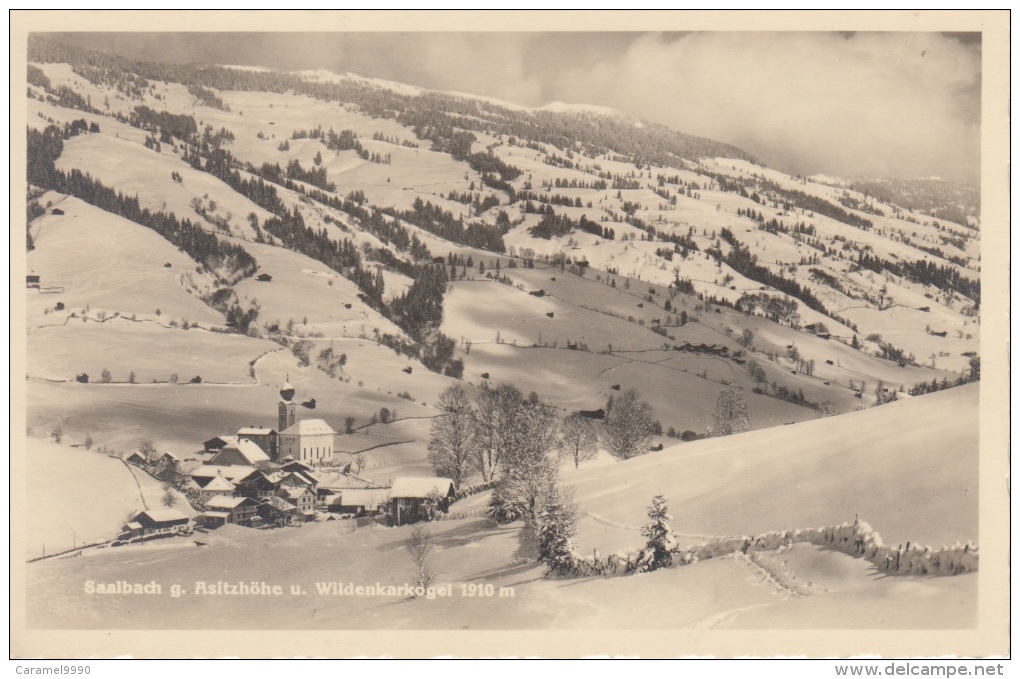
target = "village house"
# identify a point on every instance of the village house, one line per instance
(295, 478)
(242, 452)
(411, 497)
(265, 438)
(239, 510)
(155, 522)
(217, 486)
(257, 485)
(276, 510)
(299, 496)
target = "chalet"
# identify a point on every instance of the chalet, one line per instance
(32, 281)
(217, 486)
(243, 452)
(263, 437)
(264, 278)
(168, 459)
(212, 519)
(257, 485)
(202, 474)
(136, 459)
(293, 475)
(307, 441)
(156, 522)
(240, 510)
(410, 496)
(599, 414)
(276, 510)
(301, 497)
(359, 501)
(83, 378)
(56, 211)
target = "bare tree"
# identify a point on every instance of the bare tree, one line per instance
(421, 545)
(450, 451)
(527, 474)
(578, 439)
(147, 449)
(730, 415)
(628, 427)
(357, 463)
(494, 422)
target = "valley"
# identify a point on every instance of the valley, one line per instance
(211, 247)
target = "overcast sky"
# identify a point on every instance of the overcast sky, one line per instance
(873, 104)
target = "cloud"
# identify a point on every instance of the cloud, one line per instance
(888, 104)
(876, 104)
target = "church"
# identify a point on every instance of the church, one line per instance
(307, 441)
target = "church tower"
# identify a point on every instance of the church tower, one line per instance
(287, 408)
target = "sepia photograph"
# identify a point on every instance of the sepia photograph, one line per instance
(397, 334)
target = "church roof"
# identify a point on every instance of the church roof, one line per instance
(309, 428)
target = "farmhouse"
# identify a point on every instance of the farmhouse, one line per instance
(239, 509)
(217, 486)
(411, 497)
(156, 521)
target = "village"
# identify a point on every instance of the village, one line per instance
(266, 478)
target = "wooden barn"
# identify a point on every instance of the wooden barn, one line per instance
(411, 495)
(359, 501)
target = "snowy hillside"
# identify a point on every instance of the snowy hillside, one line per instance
(200, 236)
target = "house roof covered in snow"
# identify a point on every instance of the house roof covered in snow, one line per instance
(219, 441)
(161, 516)
(309, 428)
(225, 502)
(421, 486)
(220, 484)
(361, 497)
(294, 492)
(280, 503)
(229, 472)
(248, 449)
(255, 431)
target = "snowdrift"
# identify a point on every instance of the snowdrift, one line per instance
(910, 468)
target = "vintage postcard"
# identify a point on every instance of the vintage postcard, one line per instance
(409, 334)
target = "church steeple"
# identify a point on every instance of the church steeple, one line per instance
(287, 407)
(287, 390)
